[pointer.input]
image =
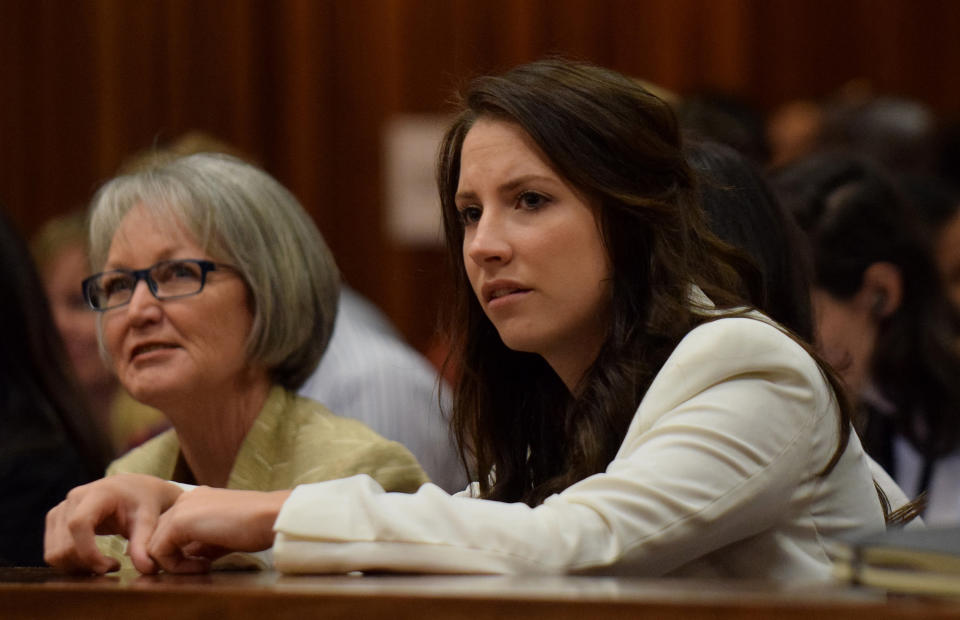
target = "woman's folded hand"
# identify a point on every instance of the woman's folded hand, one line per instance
(207, 523)
(128, 504)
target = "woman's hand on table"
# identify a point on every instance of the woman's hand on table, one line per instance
(127, 504)
(207, 523)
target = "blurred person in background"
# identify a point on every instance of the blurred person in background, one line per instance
(882, 319)
(49, 442)
(900, 133)
(937, 202)
(60, 251)
(793, 130)
(743, 211)
(897, 132)
(726, 119)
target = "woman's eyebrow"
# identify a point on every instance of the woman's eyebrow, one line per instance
(524, 179)
(465, 195)
(508, 186)
(165, 254)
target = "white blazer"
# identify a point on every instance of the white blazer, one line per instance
(718, 475)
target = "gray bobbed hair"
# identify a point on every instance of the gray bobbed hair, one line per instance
(243, 217)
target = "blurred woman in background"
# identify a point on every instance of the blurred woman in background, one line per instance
(49, 442)
(742, 211)
(883, 320)
(61, 254)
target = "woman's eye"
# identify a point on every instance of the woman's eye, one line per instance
(185, 270)
(116, 284)
(166, 272)
(470, 215)
(532, 200)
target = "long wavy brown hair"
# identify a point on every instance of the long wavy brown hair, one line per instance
(522, 434)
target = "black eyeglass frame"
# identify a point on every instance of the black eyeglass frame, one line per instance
(206, 266)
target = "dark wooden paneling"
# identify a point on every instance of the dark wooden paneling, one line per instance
(305, 86)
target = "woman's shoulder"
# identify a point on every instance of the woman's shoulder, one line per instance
(743, 340)
(315, 422)
(339, 447)
(743, 378)
(736, 347)
(156, 456)
(750, 328)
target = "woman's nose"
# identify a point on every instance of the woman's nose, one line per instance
(143, 306)
(488, 241)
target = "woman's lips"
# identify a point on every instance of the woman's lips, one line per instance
(505, 291)
(502, 297)
(503, 287)
(152, 347)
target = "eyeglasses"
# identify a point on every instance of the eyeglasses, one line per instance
(167, 279)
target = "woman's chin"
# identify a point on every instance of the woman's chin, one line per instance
(155, 391)
(520, 340)
(146, 397)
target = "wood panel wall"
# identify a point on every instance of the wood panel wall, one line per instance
(304, 86)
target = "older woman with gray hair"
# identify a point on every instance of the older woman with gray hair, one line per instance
(217, 297)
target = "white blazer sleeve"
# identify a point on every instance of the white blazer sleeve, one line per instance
(737, 421)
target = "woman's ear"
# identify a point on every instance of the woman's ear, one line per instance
(882, 289)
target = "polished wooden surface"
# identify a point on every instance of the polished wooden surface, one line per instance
(43, 593)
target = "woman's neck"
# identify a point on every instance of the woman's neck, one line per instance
(571, 364)
(571, 356)
(211, 427)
